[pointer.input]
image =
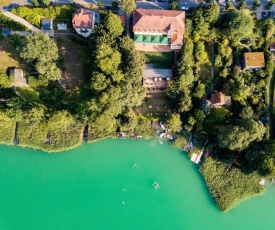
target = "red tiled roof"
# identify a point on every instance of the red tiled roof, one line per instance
(217, 98)
(159, 21)
(122, 18)
(82, 19)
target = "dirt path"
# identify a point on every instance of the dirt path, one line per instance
(70, 52)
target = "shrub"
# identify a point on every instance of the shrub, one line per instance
(33, 15)
(229, 187)
(179, 142)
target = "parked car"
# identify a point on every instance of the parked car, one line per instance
(269, 14)
(185, 8)
(263, 15)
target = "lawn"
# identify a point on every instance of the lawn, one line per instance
(155, 106)
(9, 56)
(72, 57)
(29, 94)
(161, 60)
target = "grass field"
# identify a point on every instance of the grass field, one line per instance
(8, 54)
(155, 106)
(161, 60)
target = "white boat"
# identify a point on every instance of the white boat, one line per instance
(170, 137)
(162, 135)
(163, 127)
(155, 184)
(160, 142)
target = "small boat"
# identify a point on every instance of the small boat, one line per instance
(155, 184)
(160, 142)
(170, 137)
(163, 127)
(162, 135)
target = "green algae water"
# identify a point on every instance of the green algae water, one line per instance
(108, 185)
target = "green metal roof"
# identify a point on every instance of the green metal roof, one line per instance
(138, 38)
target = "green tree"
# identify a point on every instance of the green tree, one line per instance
(35, 3)
(185, 101)
(38, 47)
(247, 112)
(179, 142)
(174, 5)
(113, 25)
(242, 5)
(46, 2)
(108, 59)
(199, 91)
(199, 114)
(188, 48)
(218, 61)
(257, 3)
(174, 122)
(100, 4)
(211, 13)
(186, 77)
(115, 5)
(267, 167)
(99, 82)
(35, 115)
(255, 128)
(233, 138)
(128, 6)
(237, 25)
(5, 81)
(49, 70)
(200, 53)
(240, 93)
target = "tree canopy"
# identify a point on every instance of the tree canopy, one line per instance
(41, 50)
(237, 25)
(128, 6)
(113, 24)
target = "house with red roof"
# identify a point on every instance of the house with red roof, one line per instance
(83, 22)
(159, 27)
(218, 99)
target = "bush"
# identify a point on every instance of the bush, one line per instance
(229, 187)
(33, 15)
(180, 142)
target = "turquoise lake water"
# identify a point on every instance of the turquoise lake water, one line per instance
(97, 186)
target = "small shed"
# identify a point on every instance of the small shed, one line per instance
(17, 74)
(46, 24)
(62, 26)
(4, 31)
(18, 77)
